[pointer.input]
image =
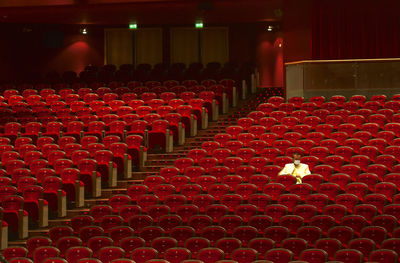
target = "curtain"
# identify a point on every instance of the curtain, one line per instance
(214, 45)
(148, 46)
(184, 45)
(355, 29)
(118, 46)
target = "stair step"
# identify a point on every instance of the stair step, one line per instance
(165, 158)
(59, 222)
(126, 183)
(107, 193)
(75, 212)
(163, 155)
(155, 167)
(38, 232)
(161, 162)
(97, 201)
(17, 243)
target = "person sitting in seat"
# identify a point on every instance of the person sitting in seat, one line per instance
(297, 169)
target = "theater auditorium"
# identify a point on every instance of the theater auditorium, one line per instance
(199, 131)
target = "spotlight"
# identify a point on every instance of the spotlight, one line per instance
(133, 26)
(84, 31)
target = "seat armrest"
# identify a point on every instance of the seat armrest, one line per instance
(215, 109)
(96, 184)
(169, 144)
(80, 194)
(22, 224)
(127, 166)
(62, 203)
(112, 174)
(181, 134)
(43, 213)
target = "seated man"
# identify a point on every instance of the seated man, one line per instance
(297, 169)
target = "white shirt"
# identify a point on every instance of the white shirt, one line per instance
(298, 171)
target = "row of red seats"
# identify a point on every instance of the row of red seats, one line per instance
(78, 110)
(125, 112)
(117, 86)
(312, 123)
(145, 254)
(113, 254)
(91, 98)
(257, 156)
(338, 237)
(57, 102)
(258, 212)
(145, 72)
(151, 91)
(351, 193)
(85, 113)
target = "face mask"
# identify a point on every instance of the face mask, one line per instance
(296, 162)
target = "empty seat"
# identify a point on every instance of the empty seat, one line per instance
(210, 254)
(279, 255)
(276, 233)
(383, 255)
(228, 245)
(342, 233)
(244, 255)
(314, 255)
(143, 254)
(348, 255)
(295, 245)
(323, 222)
(329, 245)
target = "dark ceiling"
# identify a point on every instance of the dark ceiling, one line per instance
(119, 12)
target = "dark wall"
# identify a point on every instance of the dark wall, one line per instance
(253, 43)
(28, 50)
(296, 29)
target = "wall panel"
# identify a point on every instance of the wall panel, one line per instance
(118, 46)
(148, 46)
(184, 45)
(214, 45)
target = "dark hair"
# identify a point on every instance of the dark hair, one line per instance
(296, 153)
